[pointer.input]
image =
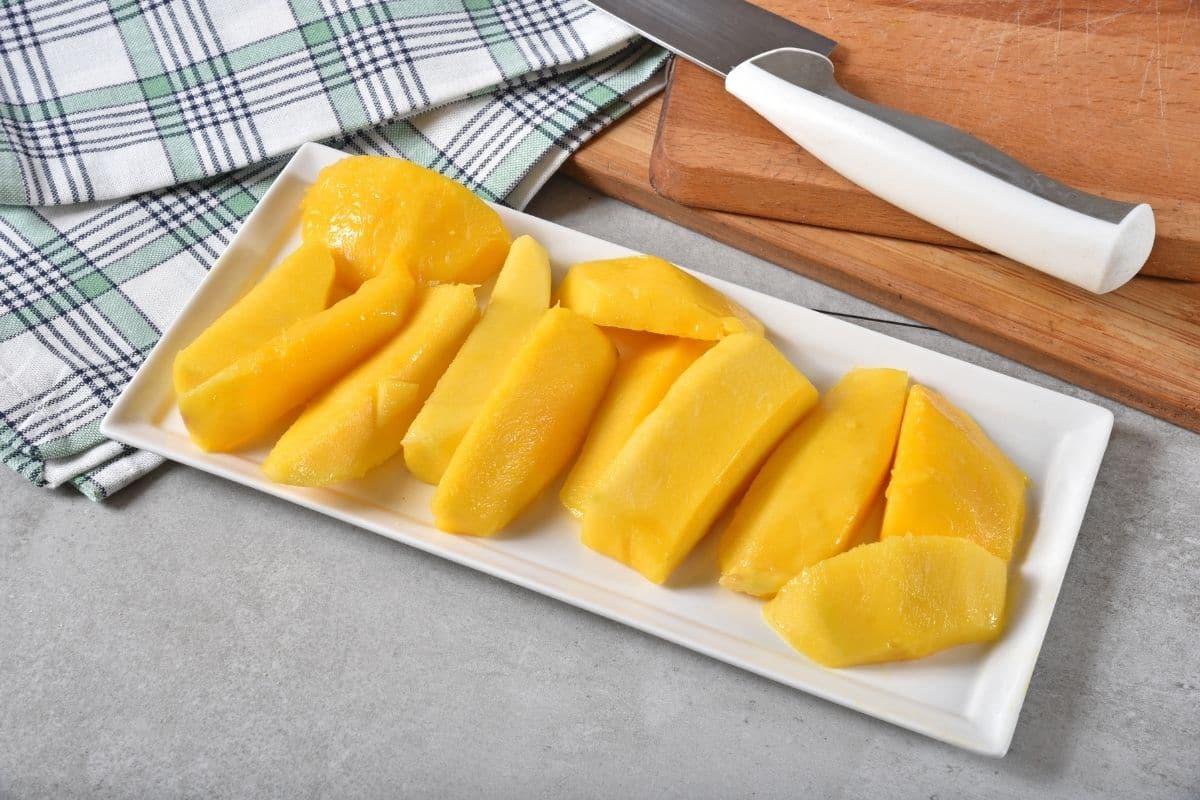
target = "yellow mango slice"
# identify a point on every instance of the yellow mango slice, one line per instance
(299, 287)
(950, 479)
(370, 210)
(899, 598)
(519, 299)
(811, 495)
(359, 422)
(644, 293)
(529, 427)
(867, 531)
(686, 459)
(644, 374)
(247, 399)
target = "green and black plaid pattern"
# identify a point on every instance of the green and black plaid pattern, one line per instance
(88, 288)
(101, 99)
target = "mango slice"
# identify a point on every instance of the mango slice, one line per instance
(529, 427)
(644, 293)
(686, 459)
(372, 209)
(867, 531)
(299, 287)
(643, 376)
(949, 479)
(519, 299)
(814, 490)
(358, 423)
(247, 399)
(899, 598)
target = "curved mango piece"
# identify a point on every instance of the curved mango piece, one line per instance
(519, 299)
(247, 399)
(812, 494)
(686, 459)
(371, 210)
(529, 427)
(644, 373)
(359, 422)
(299, 287)
(899, 598)
(645, 293)
(950, 479)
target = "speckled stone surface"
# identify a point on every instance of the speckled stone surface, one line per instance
(191, 638)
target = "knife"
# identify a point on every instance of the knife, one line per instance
(931, 170)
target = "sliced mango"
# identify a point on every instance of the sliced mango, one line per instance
(686, 459)
(358, 423)
(645, 293)
(814, 490)
(529, 427)
(299, 287)
(644, 374)
(950, 479)
(370, 210)
(867, 530)
(247, 399)
(519, 299)
(899, 598)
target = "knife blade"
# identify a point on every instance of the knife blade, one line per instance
(715, 34)
(943, 175)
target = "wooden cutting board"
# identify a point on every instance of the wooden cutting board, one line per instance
(1139, 345)
(1101, 94)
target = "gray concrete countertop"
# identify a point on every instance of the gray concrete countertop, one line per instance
(191, 638)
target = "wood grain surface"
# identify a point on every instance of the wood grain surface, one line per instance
(1101, 94)
(1139, 345)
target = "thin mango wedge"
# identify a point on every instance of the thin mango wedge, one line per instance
(529, 427)
(299, 287)
(249, 398)
(645, 371)
(950, 479)
(812, 494)
(898, 598)
(519, 299)
(645, 293)
(373, 210)
(686, 459)
(358, 423)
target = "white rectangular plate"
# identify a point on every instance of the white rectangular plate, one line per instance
(968, 696)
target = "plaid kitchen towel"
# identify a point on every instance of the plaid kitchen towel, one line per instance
(136, 136)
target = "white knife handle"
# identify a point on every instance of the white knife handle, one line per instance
(947, 177)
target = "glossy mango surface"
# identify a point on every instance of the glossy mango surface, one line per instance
(645, 371)
(250, 397)
(299, 287)
(868, 529)
(370, 210)
(359, 422)
(950, 479)
(899, 598)
(814, 491)
(519, 299)
(530, 426)
(686, 459)
(645, 293)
